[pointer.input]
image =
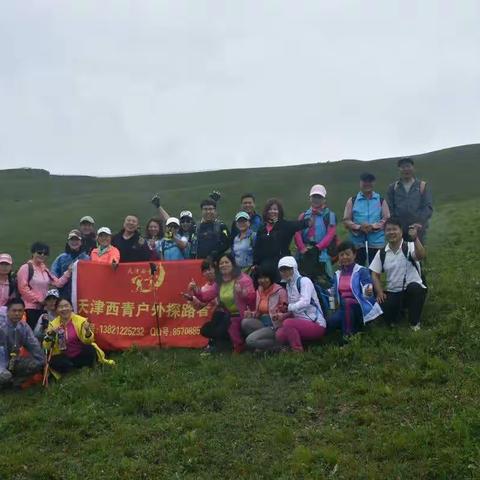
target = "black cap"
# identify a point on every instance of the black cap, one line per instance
(367, 177)
(405, 160)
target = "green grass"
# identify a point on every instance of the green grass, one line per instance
(37, 206)
(393, 404)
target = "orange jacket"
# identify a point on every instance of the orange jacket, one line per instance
(108, 257)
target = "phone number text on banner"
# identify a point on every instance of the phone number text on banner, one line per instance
(140, 305)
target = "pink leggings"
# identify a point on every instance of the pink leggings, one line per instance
(235, 332)
(294, 330)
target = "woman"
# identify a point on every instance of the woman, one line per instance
(153, 235)
(172, 246)
(243, 242)
(73, 252)
(304, 318)
(8, 285)
(34, 279)
(236, 295)
(187, 225)
(72, 341)
(201, 297)
(105, 253)
(354, 292)
(274, 236)
(258, 326)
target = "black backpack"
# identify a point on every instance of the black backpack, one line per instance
(407, 255)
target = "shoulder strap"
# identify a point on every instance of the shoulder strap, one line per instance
(353, 198)
(30, 273)
(383, 253)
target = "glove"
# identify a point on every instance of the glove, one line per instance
(215, 195)
(156, 200)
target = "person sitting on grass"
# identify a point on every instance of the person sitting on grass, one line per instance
(50, 313)
(303, 318)
(354, 292)
(401, 263)
(258, 325)
(236, 294)
(105, 253)
(172, 246)
(71, 339)
(15, 334)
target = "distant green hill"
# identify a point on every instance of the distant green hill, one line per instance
(37, 205)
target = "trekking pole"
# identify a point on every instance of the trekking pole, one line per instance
(366, 251)
(153, 270)
(47, 367)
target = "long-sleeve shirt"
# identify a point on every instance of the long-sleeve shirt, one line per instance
(13, 336)
(34, 292)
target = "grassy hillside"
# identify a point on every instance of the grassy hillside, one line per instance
(393, 404)
(36, 205)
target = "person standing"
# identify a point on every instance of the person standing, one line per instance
(34, 280)
(15, 334)
(410, 200)
(247, 204)
(87, 229)
(187, 225)
(172, 246)
(73, 252)
(401, 263)
(105, 252)
(364, 216)
(153, 235)
(8, 282)
(131, 245)
(211, 238)
(243, 242)
(314, 240)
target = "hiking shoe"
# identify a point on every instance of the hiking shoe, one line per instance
(208, 350)
(416, 327)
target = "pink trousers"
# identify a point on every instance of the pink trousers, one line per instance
(294, 330)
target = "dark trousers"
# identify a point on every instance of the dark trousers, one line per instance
(32, 316)
(216, 330)
(63, 364)
(361, 257)
(348, 318)
(412, 298)
(310, 266)
(24, 368)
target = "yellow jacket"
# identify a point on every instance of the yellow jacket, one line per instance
(78, 324)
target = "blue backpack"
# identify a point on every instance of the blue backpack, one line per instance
(322, 295)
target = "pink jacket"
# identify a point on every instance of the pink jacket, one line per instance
(205, 295)
(276, 298)
(34, 294)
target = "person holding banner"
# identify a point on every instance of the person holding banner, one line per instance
(105, 252)
(71, 340)
(131, 245)
(365, 215)
(34, 280)
(200, 297)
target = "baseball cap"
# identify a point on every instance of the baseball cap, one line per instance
(53, 292)
(87, 219)
(104, 230)
(367, 177)
(241, 215)
(318, 190)
(74, 234)
(174, 220)
(6, 258)
(186, 213)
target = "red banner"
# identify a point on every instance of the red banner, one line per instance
(132, 306)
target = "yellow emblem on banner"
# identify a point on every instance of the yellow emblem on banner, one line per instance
(144, 282)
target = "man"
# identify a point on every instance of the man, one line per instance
(211, 238)
(410, 200)
(132, 246)
(365, 215)
(314, 240)
(401, 263)
(187, 225)
(89, 238)
(247, 204)
(15, 334)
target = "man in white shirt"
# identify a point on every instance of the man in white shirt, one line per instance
(400, 262)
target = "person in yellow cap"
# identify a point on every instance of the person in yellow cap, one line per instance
(71, 340)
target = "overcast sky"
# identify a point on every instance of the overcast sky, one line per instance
(118, 87)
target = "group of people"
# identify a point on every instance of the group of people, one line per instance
(263, 298)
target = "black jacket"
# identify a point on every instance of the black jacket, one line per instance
(211, 239)
(271, 247)
(134, 249)
(89, 242)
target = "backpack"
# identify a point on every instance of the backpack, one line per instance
(423, 185)
(407, 255)
(332, 248)
(322, 295)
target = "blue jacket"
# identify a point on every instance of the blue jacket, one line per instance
(367, 210)
(60, 266)
(360, 279)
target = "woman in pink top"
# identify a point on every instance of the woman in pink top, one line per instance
(206, 295)
(7, 283)
(34, 280)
